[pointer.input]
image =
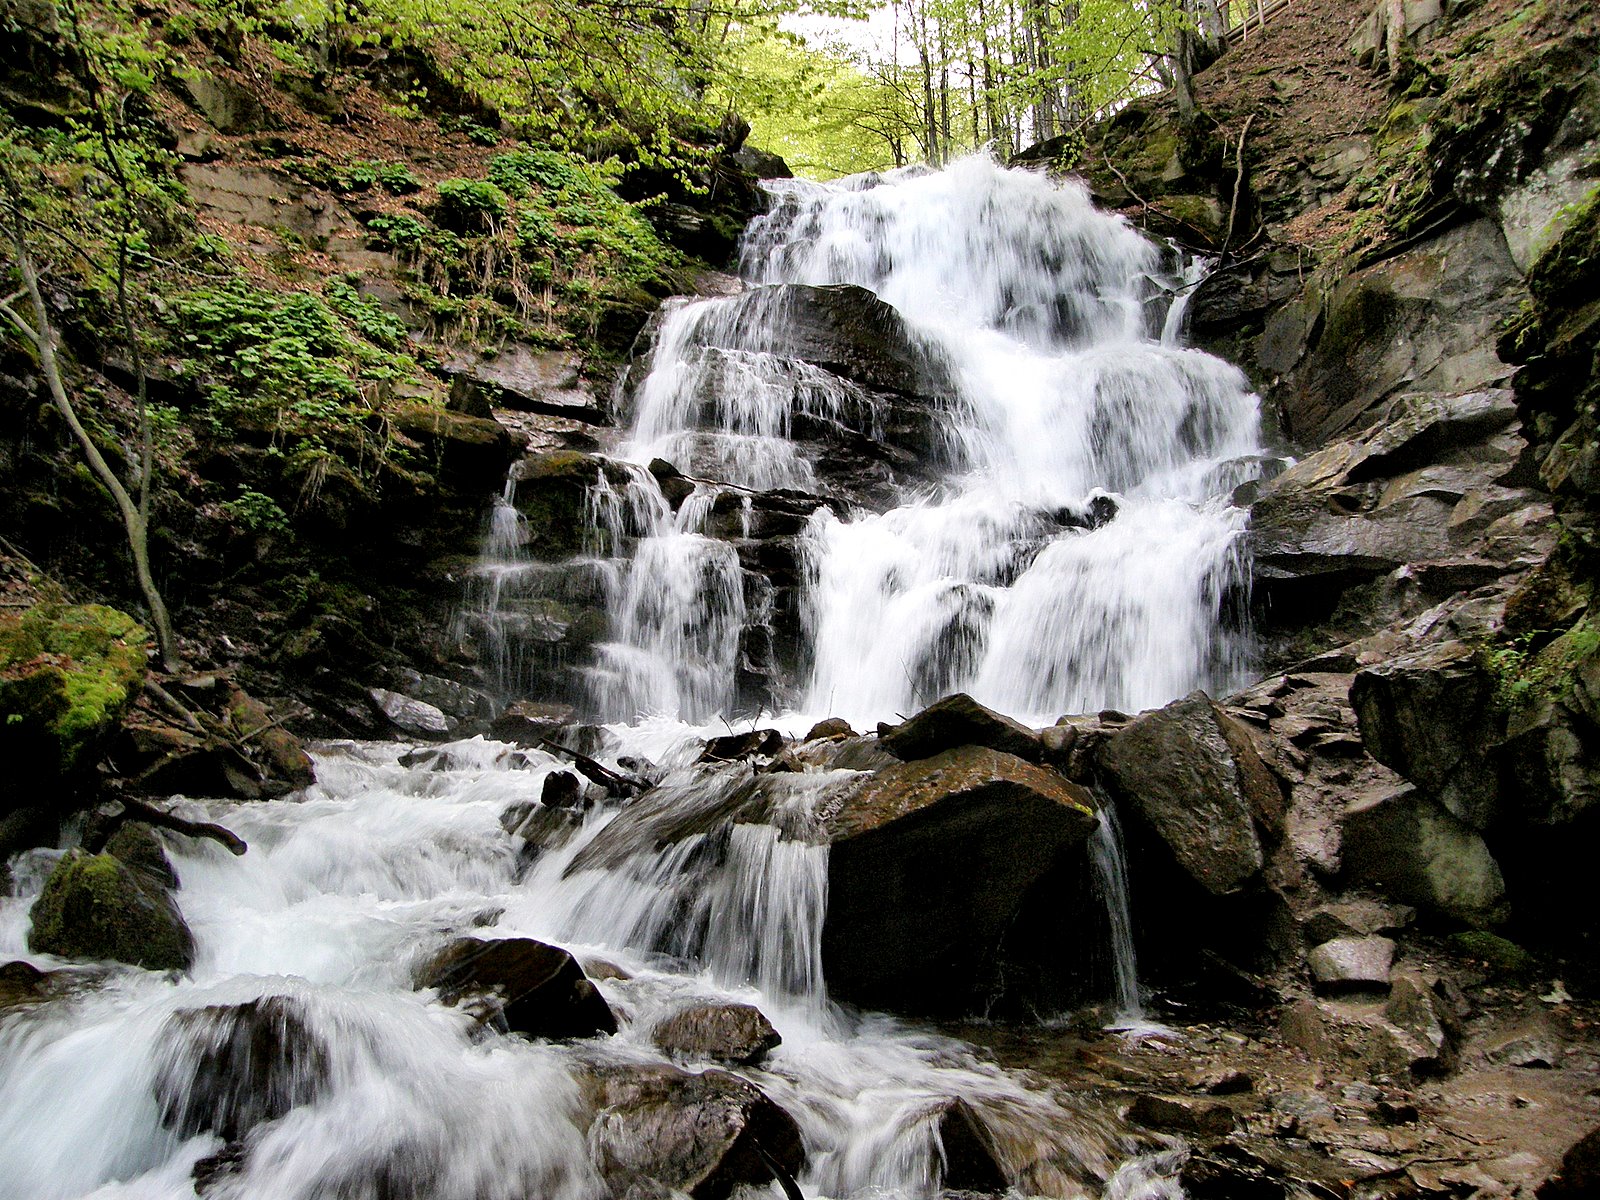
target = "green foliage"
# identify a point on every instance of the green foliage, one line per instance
(471, 205)
(400, 231)
(256, 512)
(361, 175)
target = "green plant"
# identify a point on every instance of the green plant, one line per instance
(471, 205)
(401, 232)
(256, 512)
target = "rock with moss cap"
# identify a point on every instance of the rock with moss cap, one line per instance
(95, 906)
(67, 675)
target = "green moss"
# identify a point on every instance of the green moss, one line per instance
(98, 907)
(1502, 957)
(1567, 274)
(67, 674)
(1362, 315)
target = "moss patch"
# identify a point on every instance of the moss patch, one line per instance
(98, 907)
(67, 674)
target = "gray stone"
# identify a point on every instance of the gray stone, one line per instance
(735, 1034)
(519, 985)
(928, 866)
(1198, 785)
(411, 716)
(1352, 964)
(229, 106)
(1355, 918)
(1416, 851)
(959, 720)
(1431, 715)
(702, 1134)
(521, 377)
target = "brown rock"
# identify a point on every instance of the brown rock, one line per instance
(530, 987)
(736, 1034)
(959, 720)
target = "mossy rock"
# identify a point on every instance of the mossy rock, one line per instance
(1501, 956)
(95, 906)
(67, 675)
(1567, 274)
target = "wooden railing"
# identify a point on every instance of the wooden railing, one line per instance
(1254, 19)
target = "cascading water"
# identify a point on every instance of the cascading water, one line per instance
(1039, 311)
(1006, 577)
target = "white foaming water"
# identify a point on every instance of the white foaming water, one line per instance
(709, 889)
(1050, 322)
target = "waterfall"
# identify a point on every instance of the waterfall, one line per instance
(1111, 883)
(1065, 393)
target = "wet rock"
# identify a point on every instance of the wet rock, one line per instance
(529, 722)
(1431, 716)
(736, 1034)
(1182, 1114)
(1352, 964)
(137, 845)
(98, 907)
(23, 985)
(959, 720)
(1360, 1036)
(972, 1161)
(704, 1135)
(1190, 774)
(732, 746)
(1417, 1007)
(1578, 1176)
(1501, 956)
(1411, 848)
(526, 987)
(519, 376)
(227, 1068)
(456, 700)
(929, 864)
(412, 717)
(1533, 1043)
(830, 727)
(562, 789)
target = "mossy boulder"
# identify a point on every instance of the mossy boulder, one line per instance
(67, 676)
(95, 906)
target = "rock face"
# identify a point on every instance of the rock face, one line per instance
(929, 862)
(1416, 851)
(959, 720)
(99, 907)
(704, 1134)
(736, 1034)
(227, 1068)
(1430, 715)
(1189, 773)
(521, 986)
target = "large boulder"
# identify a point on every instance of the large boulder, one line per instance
(96, 906)
(736, 1034)
(959, 720)
(929, 864)
(1410, 847)
(226, 1068)
(520, 985)
(1431, 716)
(67, 676)
(1189, 773)
(704, 1135)
(470, 451)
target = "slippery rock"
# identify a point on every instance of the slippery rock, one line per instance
(1410, 847)
(525, 986)
(1352, 964)
(1431, 716)
(227, 1068)
(413, 717)
(928, 865)
(959, 720)
(701, 1134)
(736, 1034)
(98, 907)
(972, 1161)
(1189, 772)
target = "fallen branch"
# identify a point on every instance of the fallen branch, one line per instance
(1238, 186)
(176, 707)
(138, 810)
(624, 785)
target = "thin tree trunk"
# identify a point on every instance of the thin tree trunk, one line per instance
(1395, 41)
(137, 528)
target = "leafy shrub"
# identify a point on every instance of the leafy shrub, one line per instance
(471, 205)
(257, 512)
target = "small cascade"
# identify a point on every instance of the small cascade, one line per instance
(1111, 883)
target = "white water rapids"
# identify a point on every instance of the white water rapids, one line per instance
(1055, 325)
